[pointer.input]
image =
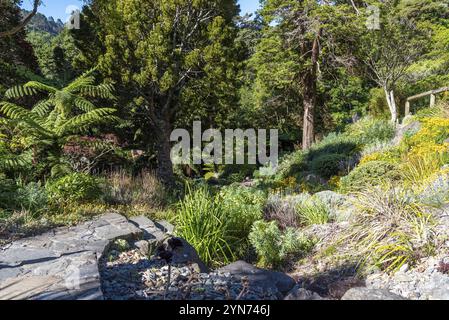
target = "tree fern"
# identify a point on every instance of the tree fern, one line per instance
(53, 121)
(11, 161)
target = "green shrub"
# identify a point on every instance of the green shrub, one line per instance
(202, 222)
(313, 211)
(377, 105)
(242, 207)
(237, 173)
(74, 187)
(370, 131)
(334, 143)
(33, 197)
(291, 164)
(369, 174)
(328, 165)
(8, 193)
(273, 247)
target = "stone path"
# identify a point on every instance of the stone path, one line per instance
(61, 264)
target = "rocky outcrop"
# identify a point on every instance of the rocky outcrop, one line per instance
(428, 281)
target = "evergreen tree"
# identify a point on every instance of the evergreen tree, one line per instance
(164, 53)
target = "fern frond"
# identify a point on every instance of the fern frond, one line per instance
(39, 86)
(16, 112)
(86, 79)
(20, 115)
(18, 92)
(103, 91)
(14, 162)
(83, 121)
(42, 108)
(84, 105)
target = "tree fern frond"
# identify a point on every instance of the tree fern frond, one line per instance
(86, 79)
(16, 112)
(21, 115)
(103, 91)
(83, 121)
(42, 108)
(17, 92)
(39, 86)
(14, 162)
(84, 105)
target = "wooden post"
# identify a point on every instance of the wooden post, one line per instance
(407, 108)
(432, 100)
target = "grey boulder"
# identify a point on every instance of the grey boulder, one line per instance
(270, 280)
(366, 294)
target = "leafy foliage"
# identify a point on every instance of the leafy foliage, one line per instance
(273, 246)
(74, 187)
(368, 175)
(55, 120)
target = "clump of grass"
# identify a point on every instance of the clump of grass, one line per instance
(143, 189)
(282, 210)
(419, 168)
(312, 212)
(390, 229)
(202, 223)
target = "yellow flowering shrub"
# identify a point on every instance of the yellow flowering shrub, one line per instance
(423, 150)
(433, 130)
(421, 155)
(335, 182)
(391, 156)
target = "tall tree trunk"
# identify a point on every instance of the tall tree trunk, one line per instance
(309, 97)
(309, 117)
(165, 164)
(389, 94)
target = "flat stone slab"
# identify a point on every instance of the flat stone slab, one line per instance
(62, 264)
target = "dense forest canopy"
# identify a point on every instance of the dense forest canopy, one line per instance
(303, 67)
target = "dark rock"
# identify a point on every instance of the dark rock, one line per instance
(301, 294)
(370, 294)
(184, 254)
(260, 278)
(61, 264)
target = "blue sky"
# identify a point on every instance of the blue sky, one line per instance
(57, 8)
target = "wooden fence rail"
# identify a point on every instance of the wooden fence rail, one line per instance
(432, 95)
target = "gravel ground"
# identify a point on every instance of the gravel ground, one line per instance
(131, 276)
